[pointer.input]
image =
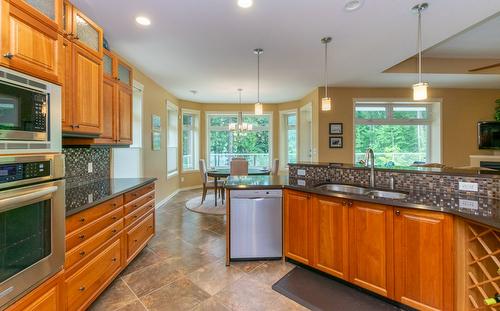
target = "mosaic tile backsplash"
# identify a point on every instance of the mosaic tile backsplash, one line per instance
(488, 185)
(77, 160)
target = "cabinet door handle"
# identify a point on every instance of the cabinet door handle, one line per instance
(114, 231)
(77, 126)
(135, 241)
(344, 203)
(82, 253)
(398, 213)
(82, 219)
(114, 259)
(82, 288)
(114, 218)
(349, 204)
(81, 237)
(8, 55)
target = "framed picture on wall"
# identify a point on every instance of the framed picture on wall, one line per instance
(155, 123)
(336, 142)
(156, 141)
(336, 128)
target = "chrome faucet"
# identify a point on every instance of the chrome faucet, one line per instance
(370, 162)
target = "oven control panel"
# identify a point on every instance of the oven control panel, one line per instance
(21, 171)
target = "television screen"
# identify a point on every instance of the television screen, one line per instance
(489, 135)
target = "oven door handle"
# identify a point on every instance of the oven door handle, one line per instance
(27, 197)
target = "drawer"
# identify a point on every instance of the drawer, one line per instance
(87, 232)
(138, 213)
(89, 280)
(137, 193)
(138, 235)
(132, 206)
(85, 249)
(81, 219)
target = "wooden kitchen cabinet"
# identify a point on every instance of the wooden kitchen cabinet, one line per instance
(81, 30)
(297, 218)
(29, 40)
(117, 103)
(371, 264)
(423, 261)
(46, 297)
(330, 235)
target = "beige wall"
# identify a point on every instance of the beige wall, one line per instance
(461, 110)
(154, 162)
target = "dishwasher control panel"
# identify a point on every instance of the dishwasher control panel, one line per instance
(271, 193)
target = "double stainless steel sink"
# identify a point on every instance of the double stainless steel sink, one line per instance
(363, 191)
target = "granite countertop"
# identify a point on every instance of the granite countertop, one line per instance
(82, 197)
(476, 208)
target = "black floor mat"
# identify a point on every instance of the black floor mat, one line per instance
(317, 292)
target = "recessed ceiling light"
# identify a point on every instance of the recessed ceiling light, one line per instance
(353, 5)
(142, 20)
(245, 3)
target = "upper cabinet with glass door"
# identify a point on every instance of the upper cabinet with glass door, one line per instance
(82, 30)
(48, 11)
(108, 64)
(124, 73)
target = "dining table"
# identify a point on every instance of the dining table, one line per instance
(217, 174)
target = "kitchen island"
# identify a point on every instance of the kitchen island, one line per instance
(431, 250)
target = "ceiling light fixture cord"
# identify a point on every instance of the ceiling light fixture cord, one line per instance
(326, 68)
(258, 77)
(419, 44)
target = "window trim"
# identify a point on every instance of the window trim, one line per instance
(433, 105)
(172, 106)
(196, 157)
(223, 128)
(283, 151)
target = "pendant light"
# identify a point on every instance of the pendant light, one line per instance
(258, 105)
(420, 88)
(326, 102)
(240, 126)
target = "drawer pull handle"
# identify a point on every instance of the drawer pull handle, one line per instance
(8, 55)
(114, 259)
(398, 213)
(135, 216)
(134, 194)
(114, 231)
(82, 219)
(150, 227)
(114, 218)
(82, 288)
(82, 253)
(135, 241)
(114, 204)
(81, 237)
(135, 205)
(150, 197)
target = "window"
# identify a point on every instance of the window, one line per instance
(172, 137)
(400, 133)
(190, 139)
(288, 135)
(223, 144)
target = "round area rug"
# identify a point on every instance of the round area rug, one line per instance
(208, 206)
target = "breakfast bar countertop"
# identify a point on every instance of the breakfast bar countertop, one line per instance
(84, 196)
(480, 209)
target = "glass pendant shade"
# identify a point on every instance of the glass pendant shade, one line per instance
(420, 91)
(258, 109)
(326, 104)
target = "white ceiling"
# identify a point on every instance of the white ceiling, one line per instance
(206, 45)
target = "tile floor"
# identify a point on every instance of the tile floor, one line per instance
(183, 268)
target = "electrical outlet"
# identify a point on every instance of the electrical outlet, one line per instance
(301, 172)
(468, 186)
(468, 204)
(90, 168)
(90, 198)
(301, 182)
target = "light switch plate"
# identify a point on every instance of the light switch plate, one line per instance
(301, 172)
(90, 168)
(468, 186)
(301, 182)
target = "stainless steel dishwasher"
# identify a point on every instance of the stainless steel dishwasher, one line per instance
(256, 224)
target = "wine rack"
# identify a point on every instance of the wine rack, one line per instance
(483, 266)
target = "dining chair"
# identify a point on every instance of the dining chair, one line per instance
(209, 184)
(275, 167)
(238, 167)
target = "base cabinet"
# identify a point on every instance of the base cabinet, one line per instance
(403, 254)
(330, 233)
(297, 216)
(370, 247)
(423, 248)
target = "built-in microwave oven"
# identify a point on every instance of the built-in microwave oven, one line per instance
(30, 114)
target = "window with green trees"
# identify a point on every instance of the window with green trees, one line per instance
(224, 144)
(399, 133)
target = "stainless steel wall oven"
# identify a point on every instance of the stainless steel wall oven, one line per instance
(32, 218)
